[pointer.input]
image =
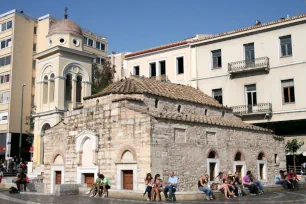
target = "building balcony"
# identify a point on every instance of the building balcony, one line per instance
(258, 109)
(244, 66)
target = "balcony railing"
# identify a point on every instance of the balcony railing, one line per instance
(261, 63)
(261, 108)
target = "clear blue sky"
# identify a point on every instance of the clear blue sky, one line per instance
(132, 25)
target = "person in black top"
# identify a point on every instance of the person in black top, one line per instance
(202, 185)
(238, 184)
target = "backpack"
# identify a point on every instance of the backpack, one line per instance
(13, 190)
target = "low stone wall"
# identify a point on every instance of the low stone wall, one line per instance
(66, 189)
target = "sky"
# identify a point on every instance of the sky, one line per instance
(132, 25)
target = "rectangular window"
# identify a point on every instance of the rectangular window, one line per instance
(102, 61)
(34, 64)
(5, 60)
(217, 94)
(162, 65)
(217, 59)
(179, 135)
(4, 78)
(33, 81)
(4, 97)
(288, 91)
(85, 41)
(6, 43)
(286, 46)
(35, 30)
(34, 47)
(180, 65)
(102, 47)
(9, 25)
(251, 95)
(136, 70)
(98, 45)
(152, 69)
(249, 52)
(98, 60)
(90, 42)
(3, 26)
(3, 117)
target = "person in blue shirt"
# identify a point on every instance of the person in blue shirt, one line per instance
(281, 179)
(171, 187)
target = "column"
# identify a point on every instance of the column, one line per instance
(8, 145)
(157, 69)
(74, 86)
(48, 97)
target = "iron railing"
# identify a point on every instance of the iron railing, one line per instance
(260, 108)
(247, 65)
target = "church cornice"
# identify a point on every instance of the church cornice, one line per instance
(62, 49)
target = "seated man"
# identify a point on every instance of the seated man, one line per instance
(246, 181)
(171, 187)
(105, 185)
(95, 187)
(281, 179)
(21, 179)
(293, 179)
(257, 183)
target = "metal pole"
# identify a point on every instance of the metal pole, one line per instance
(21, 114)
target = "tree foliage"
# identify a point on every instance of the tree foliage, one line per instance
(30, 123)
(102, 76)
(293, 146)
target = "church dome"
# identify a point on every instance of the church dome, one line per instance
(65, 26)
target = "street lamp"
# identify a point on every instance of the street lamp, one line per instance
(21, 113)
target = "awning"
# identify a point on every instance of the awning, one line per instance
(299, 152)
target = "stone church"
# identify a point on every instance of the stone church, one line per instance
(140, 125)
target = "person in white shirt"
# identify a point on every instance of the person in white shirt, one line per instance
(171, 187)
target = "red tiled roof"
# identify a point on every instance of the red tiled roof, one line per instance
(142, 85)
(175, 44)
(183, 42)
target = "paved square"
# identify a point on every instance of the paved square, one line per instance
(279, 197)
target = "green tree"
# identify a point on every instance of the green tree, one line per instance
(30, 123)
(102, 76)
(292, 147)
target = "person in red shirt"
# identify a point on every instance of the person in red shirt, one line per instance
(293, 179)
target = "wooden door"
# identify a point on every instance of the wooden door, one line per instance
(212, 167)
(239, 169)
(58, 177)
(89, 179)
(128, 179)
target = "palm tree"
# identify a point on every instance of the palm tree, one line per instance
(292, 147)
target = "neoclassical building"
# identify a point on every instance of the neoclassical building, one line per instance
(140, 125)
(64, 75)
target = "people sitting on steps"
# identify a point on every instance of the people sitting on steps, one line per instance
(104, 185)
(246, 181)
(157, 188)
(203, 186)
(282, 180)
(293, 179)
(171, 187)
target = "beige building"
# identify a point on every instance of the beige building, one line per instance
(27, 54)
(139, 125)
(258, 71)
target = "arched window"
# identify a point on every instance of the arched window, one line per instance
(127, 156)
(238, 156)
(261, 156)
(79, 89)
(44, 128)
(87, 153)
(156, 103)
(212, 155)
(179, 108)
(68, 90)
(45, 90)
(58, 160)
(51, 93)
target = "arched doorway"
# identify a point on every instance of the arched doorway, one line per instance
(213, 164)
(262, 167)
(239, 164)
(57, 170)
(45, 127)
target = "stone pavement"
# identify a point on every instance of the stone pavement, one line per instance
(279, 197)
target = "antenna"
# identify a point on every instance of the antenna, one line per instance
(66, 15)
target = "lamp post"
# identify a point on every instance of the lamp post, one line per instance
(21, 115)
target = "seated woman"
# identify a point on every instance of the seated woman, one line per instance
(231, 187)
(257, 183)
(157, 188)
(238, 185)
(246, 181)
(293, 179)
(202, 185)
(223, 187)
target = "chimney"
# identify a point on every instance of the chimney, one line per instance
(257, 22)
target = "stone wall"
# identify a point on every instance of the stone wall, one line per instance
(118, 129)
(187, 157)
